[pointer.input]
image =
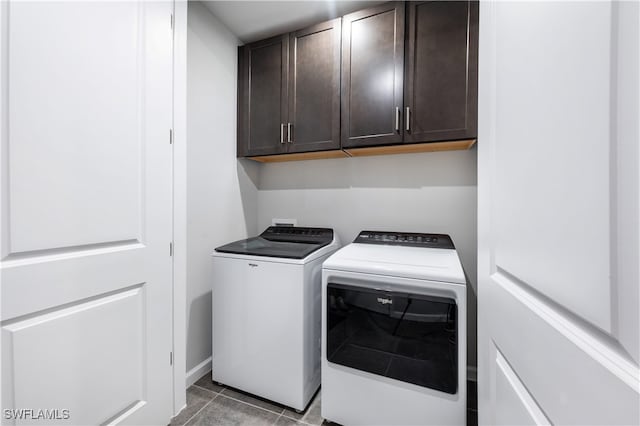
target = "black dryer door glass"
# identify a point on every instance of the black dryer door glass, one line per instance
(408, 337)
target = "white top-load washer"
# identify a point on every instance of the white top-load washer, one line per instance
(266, 313)
(394, 331)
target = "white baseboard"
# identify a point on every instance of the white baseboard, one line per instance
(198, 371)
(472, 373)
(179, 411)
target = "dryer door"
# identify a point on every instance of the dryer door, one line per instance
(408, 337)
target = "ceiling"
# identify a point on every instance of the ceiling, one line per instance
(255, 20)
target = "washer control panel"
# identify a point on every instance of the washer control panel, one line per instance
(298, 234)
(410, 239)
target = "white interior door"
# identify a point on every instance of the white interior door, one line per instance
(86, 212)
(558, 193)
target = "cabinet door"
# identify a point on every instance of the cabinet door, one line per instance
(314, 88)
(372, 74)
(262, 97)
(442, 71)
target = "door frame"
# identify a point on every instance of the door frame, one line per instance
(179, 136)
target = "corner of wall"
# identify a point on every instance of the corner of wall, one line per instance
(221, 189)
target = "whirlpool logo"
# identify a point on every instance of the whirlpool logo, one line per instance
(385, 301)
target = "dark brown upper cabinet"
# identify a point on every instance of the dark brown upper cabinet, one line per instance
(289, 92)
(441, 72)
(397, 77)
(262, 97)
(372, 75)
(314, 88)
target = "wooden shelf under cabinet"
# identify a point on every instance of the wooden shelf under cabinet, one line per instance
(315, 155)
(375, 150)
(411, 148)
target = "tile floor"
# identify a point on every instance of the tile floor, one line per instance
(212, 404)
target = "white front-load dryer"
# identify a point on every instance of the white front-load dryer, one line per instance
(394, 331)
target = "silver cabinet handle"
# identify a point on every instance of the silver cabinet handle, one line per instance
(397, 119)
(408, 118)
(281, 132)
(289, 133)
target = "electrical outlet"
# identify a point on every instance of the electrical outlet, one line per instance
(284, 222)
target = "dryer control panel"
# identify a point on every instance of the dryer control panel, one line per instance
(410, 239)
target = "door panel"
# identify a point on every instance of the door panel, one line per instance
(551, 269)
(568, 369)
(372, 75)
(314, 87)
(441, 70)
(80, 340)
(86, 210)
(264, 99)
(96, 208)
(566, 211)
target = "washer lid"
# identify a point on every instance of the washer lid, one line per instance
(435, 264)
(282, 241)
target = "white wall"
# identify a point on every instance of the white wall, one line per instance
(229, 198)
(221, 195)
(430, 192)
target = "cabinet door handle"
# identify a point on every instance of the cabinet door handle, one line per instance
(281, 132)
(408, 118)
(397, 119)
(289, 133)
